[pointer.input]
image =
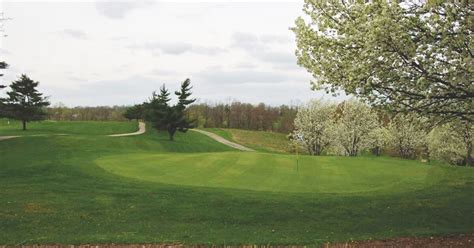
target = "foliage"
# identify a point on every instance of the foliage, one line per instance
(24, 102)
(134, 112)
(60, 112)
(408, 56)
(378, 139)
(313, 124)
(163, 116)
(452, 142)
(354, 121)
(3, 65)
(407, 134)
(238, 115)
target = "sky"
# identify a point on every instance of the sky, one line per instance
(94, 53)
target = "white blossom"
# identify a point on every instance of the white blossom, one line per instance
(354, 121)
(313, 126)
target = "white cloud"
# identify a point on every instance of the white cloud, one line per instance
(4, 51)
(261, 47)
(74, 33)
(176, 48)
(119, 9)
(127, 49)
(219, 76)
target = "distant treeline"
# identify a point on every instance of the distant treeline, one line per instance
(244, 116)
(213, 115)
(101, 113)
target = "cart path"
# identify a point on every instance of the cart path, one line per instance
(141, 130)
(33, 135)
(224, 141)
(7, 137)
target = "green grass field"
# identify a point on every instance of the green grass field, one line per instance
(86, 188)
(276, 173)
(66, 127)
(260, 141)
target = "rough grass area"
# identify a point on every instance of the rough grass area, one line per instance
(458, 241)
(260, 141)
(13, 127)
(55, 190)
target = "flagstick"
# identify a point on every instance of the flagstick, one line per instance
(297, 158)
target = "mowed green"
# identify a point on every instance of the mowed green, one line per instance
(90, 188)
(276, 172)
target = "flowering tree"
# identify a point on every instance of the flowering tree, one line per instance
(378, 139)
(406, 134)
(354, 121)
(313, 126)
(452, 143)
(408, 56)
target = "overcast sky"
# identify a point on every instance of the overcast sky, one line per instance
(116, 53)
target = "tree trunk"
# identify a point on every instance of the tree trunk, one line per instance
(469, 159)
(171, 132)
(376, 151)
(24, 125)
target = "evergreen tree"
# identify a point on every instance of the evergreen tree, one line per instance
(24, 102)
(134, 112)
(157, 109)
(183, 95)
(164, 96)
(171, 118)
(3, 65)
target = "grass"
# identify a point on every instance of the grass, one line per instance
(11, 127)
(260, 141)
(275, 172)
(145, 189)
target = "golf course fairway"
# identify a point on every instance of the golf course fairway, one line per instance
(89, 188)
(275, 172)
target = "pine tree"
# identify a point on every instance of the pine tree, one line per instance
(3, 65)
(164, 96)
(24, 102)
(134, 112)
(157, 108)
(183, 95)
(169, 118)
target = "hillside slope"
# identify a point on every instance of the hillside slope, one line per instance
(258, 140)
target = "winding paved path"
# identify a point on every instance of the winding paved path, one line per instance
(141, 130)
(7, 137)
(224, 141)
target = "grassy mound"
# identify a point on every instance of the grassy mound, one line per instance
(12, 127)
(258, 140)
(274, 172)
(53, 191)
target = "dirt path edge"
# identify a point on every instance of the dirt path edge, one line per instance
(224, 141)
